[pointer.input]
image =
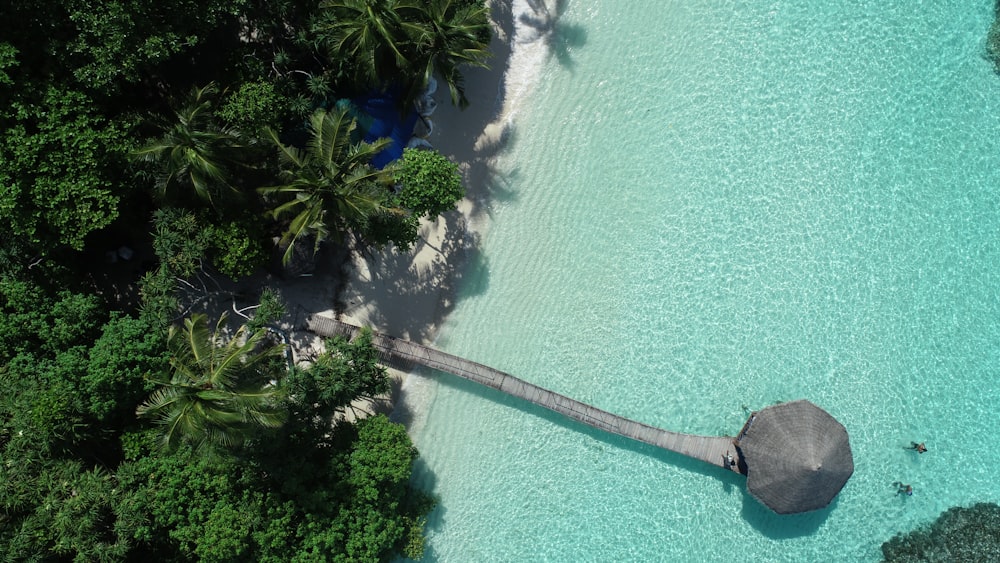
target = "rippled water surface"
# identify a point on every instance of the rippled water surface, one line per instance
(709, 207)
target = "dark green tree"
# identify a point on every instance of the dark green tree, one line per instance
(104, 49)
(220, 393)
(380, 465)
(448, 35)
(344, 372)
(119, 363)
(43, 323)
(57, 509)
(195, 507)
(254, 107)
(330, 187)
(195, 156)
(370, 36)
(59, 168)
(237, 247)
(408, 41)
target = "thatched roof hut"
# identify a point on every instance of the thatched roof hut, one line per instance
(797, 457)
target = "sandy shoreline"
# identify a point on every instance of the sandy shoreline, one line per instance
(409, 294)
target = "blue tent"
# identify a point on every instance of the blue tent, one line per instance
(385, 121)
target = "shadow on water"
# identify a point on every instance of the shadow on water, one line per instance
(560, 37)
(783, 526)
(761, 518)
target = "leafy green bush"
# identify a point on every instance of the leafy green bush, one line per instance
(431, 183)
(236, 249)
(959, 534)
(254, 107)
(58, 171)
(128, 350)
(34, 321)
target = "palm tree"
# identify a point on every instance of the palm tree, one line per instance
(448, 34)
(330, 186)
(219, 394)
(411, 40)
(194, 153)
(369, 34)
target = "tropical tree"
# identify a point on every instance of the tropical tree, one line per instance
(448, 34)
(60, 164)
(431, 183)
(330, 186)
(219, 393)
(195, 153)
(368, 35)
(408, 41)
(345, 372)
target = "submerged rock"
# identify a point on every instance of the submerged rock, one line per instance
(959, 534)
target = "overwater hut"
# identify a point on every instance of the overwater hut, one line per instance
(797, 456)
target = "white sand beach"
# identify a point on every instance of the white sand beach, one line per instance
(407, 294)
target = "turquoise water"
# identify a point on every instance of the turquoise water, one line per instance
(712, 206)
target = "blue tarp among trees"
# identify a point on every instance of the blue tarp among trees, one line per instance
(379, 117)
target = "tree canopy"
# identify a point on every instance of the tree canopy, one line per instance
(82, 479)
(155, 124)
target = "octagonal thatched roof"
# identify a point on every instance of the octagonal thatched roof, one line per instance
(798, 457)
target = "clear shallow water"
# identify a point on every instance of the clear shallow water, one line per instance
(715, 206)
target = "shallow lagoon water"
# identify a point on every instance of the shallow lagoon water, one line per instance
(710, 207)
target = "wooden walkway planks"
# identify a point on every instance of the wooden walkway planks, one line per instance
(403, 353)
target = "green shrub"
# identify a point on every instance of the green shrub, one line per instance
(236, 249)
(431, 183)
(253, 107)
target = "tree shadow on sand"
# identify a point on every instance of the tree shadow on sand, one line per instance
(395, 284)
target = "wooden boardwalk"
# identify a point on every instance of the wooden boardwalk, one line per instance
(404, 354)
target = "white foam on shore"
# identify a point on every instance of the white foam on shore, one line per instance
(529, 52)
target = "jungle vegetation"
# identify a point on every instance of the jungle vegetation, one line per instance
(135, 426)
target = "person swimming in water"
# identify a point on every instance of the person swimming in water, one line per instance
(903, 488)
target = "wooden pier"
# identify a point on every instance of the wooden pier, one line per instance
(718, 451)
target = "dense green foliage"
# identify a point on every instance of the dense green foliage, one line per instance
(329, 187)
(195, 157)
(59, 169)
(82, 478)
(187, 91)
(254, 107)
(154, 124)
(380, 40)
(430, 183)
(218, 393)
(959, 534)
